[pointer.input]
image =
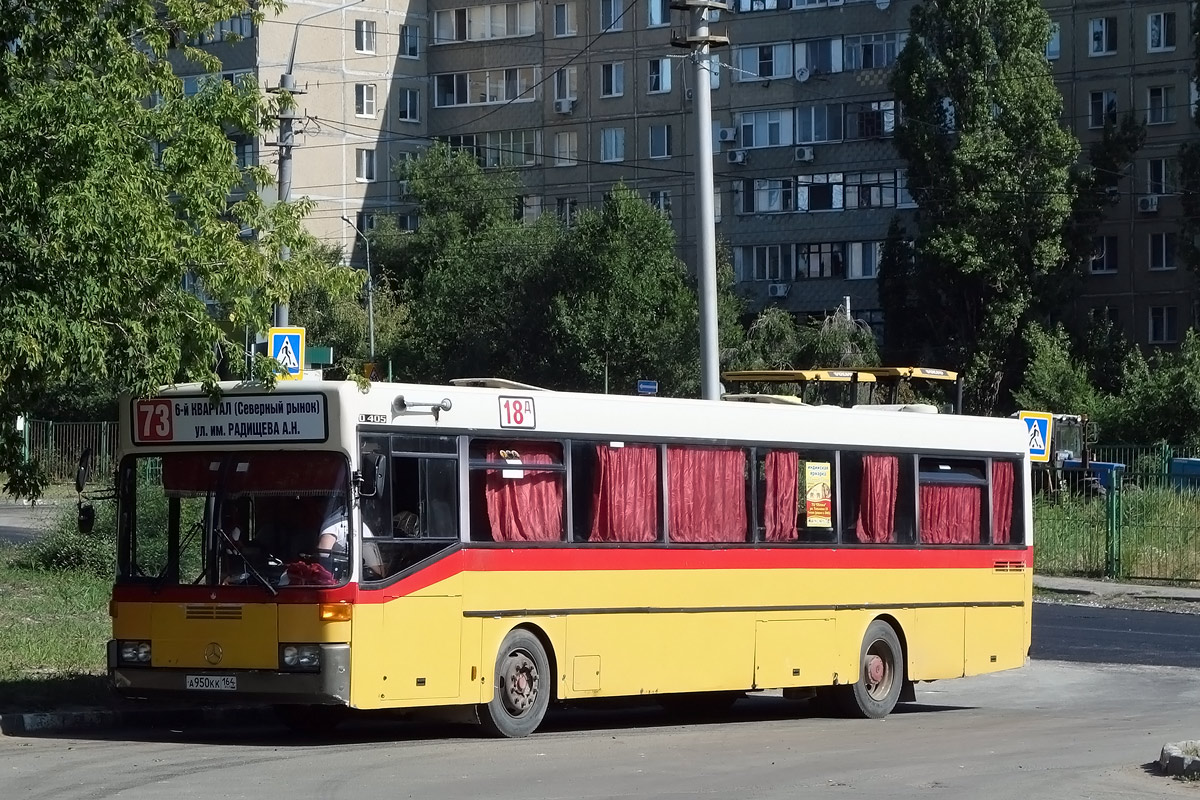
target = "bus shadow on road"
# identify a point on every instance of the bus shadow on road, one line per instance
(260, 729)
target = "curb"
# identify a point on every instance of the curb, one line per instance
(34, 724)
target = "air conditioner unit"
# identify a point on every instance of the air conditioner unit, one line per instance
(1148, 204)
(778, 290)
(736, 156)
(804, 154)
(726, 134)
(564, 106)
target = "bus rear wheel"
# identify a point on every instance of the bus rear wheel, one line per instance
(881, 674)
(521, 693)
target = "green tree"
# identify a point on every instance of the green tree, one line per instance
(1054, 379)
(989, 166)
(1161, 397)
(108, 201)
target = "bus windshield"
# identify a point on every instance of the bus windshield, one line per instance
(273, 519)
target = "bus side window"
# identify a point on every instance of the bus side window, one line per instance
(706, 494)
(953, 501)
(615, 492)
(876, 498)
(1008, 518)
(797, 492)
(518, 491)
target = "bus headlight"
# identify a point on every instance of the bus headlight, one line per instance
(300, 657)
(133, 652)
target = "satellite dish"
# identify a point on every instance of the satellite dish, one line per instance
(803, 74)
(882, 5)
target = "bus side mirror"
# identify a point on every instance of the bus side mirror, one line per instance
(84, 471)
(87, 517)
(372, 475)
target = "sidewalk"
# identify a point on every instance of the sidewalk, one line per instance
(1112, 589)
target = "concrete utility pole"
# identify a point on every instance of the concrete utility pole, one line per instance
(700, 42)
(287, 116)
(370, 284)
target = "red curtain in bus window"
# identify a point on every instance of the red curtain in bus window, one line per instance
(625, 501)
(1002, 501)
(189, 474)
(782, 503)
(877, 504)
(950, 514)
(529, 508)
(706, 494)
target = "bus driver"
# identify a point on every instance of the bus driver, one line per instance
(334, 537)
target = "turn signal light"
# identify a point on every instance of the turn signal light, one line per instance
(336, 612)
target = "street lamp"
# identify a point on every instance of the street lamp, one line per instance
(370, 284)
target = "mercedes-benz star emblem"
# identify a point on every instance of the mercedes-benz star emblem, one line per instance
(213, 653)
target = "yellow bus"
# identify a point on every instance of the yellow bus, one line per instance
(497, 547)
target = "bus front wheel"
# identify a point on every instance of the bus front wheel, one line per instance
(881, 674)
(521, 693)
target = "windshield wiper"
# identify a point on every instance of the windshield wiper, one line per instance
(252, 569)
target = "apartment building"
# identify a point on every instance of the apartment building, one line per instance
(1109, 57)
(579, 94)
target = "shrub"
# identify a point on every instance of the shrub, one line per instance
(64, 547)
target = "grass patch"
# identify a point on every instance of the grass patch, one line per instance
(52, 636)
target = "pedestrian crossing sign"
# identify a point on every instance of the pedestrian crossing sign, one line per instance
(1040, 425)
(286, 346)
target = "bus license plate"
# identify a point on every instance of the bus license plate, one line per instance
(218, 683)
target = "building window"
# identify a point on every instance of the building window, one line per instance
(825, 260)
(819, 123)
(660, 76)
(758, 5)
(612, 79)
(1054, 46)
(565, 210)
(364, 36)
(483, 87)
(410, 105)
(1106, 314)
(611, 12)
(1162, 176)
(766, 262)
(612, 144)
(820, 55)
(465, 142)
(564, 19)
(1162, 251)
(765, 128)
(660, 141)
(477, 23)
(820, 192)
(243, 152)
(364, 165)
(871, 189)
(1163, 324)
(527, 208)
(870, 120)
(410, 41)
(864, 259)
(1160, 105)
(566, 149)
(904, 198)
(764, 61)
(660, 13)
(1160, 32)
(873, 50)
(227, 30)
(1102, 108)
(566, 83)
(1103, 32)
(765, 196)
(1104, 255)
(660, 199)
(364, 100)
(511, 149)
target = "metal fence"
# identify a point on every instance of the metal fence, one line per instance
(58, 445)
(1146, 526)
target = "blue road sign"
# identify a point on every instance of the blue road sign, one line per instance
(647, 387)
(286, 345)
(1039, 424)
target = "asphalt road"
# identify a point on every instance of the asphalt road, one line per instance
(1115, 636)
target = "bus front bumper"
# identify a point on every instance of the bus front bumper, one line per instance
(330, 686)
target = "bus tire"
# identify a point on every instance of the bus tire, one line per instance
(522, 688)
(881, 674)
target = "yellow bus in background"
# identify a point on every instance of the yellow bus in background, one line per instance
(499, 547)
